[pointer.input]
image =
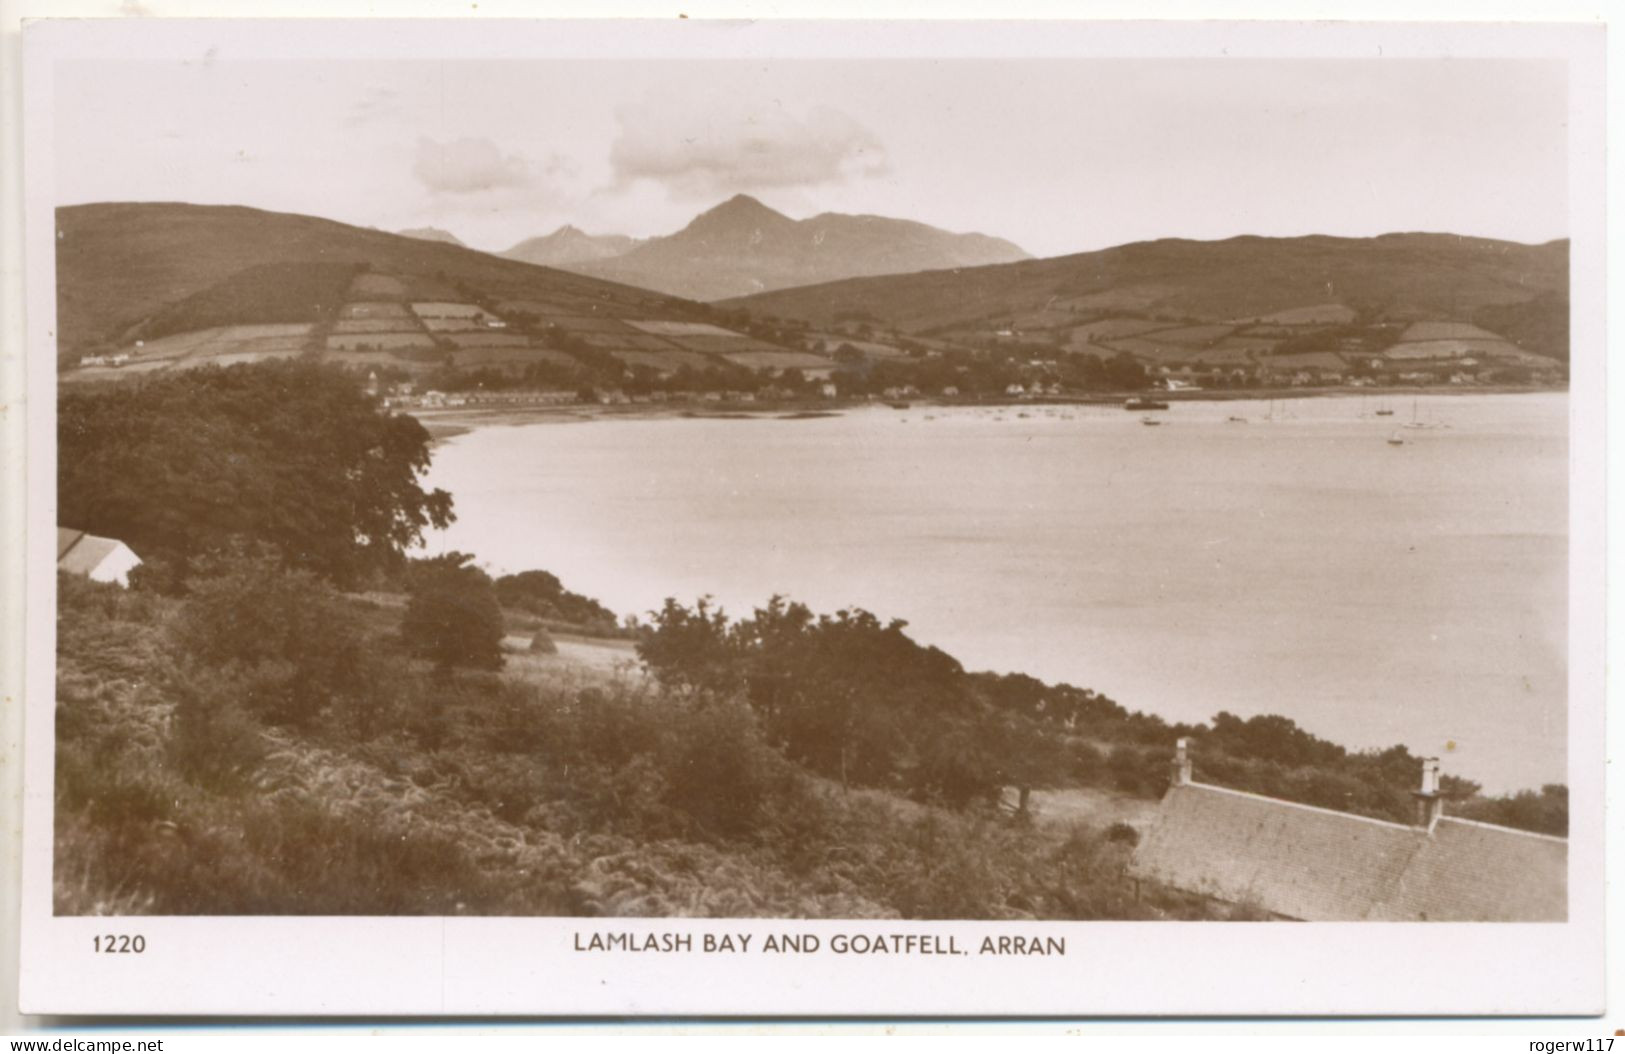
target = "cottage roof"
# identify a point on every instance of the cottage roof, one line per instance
(1477, 872)
(81, 553)
(1319, 864)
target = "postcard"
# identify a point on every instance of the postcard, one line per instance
(822, 518)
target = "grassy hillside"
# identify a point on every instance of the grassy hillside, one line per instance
(1394, 277)
(541, 792)
(120, 264)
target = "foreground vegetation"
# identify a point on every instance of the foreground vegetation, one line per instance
(287, 715)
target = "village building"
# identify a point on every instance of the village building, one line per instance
(117, 359)
(1297, 861)
(96, 558)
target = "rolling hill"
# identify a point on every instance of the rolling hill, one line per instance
(1520, 291)
(741, 246)
(155, 286)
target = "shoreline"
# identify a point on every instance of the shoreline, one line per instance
(448, 423)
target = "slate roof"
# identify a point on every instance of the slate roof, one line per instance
(1304, 862)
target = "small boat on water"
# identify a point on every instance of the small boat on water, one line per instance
(1233, 419)
(1142, 403)
(1149, 421)
(1396, 440)
(1385, 413)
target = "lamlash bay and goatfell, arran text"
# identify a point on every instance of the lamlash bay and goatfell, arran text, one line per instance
(877, 943)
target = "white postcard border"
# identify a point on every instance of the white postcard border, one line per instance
(431, 966)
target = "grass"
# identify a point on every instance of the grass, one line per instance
(1400, 276)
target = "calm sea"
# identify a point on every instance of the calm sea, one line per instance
(1296, 562)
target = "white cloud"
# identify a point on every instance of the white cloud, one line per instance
(468, 166)
(724, 146)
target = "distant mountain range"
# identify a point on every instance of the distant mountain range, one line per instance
(569, 245)
(742, 247)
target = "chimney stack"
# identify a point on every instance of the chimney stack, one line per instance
(1429, 800)
(1182, 762)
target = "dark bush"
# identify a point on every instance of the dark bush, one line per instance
(452, 616)
(287, 640)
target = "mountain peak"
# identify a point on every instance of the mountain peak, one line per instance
(743, 207)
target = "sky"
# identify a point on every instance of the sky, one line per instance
(1057, 155)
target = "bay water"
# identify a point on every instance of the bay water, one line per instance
(1258, 557)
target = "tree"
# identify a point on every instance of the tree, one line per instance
(452, 616)
(292, 455)
(542, 594)
(691, 650)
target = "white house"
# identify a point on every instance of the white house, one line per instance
(99, 559)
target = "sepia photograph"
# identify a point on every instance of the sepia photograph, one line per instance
(874, 488)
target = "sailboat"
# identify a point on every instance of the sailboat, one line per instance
(1416, 421)
(1396, 440)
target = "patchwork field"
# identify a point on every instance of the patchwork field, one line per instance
(1108, 328)
(545, 308)
(375, 325)
(378, 341)
(403, 360)
(236, 357)
(488, 356)
(607, 341)
(446, 309)
(111, 373)
(1245, 344)
(1217, 356)
(487, 339)
(1155, 349)
(1279, 332)
(730, 345)
(1451, 349)
(270, 339)
(1433, 331)
(875, 350)
(665, 361)
(779, 360)
(1195, 335)
(591, 324)
(681, 329)
(644, 342)
(1305, 360)
(1336, 314)
(381, 309)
